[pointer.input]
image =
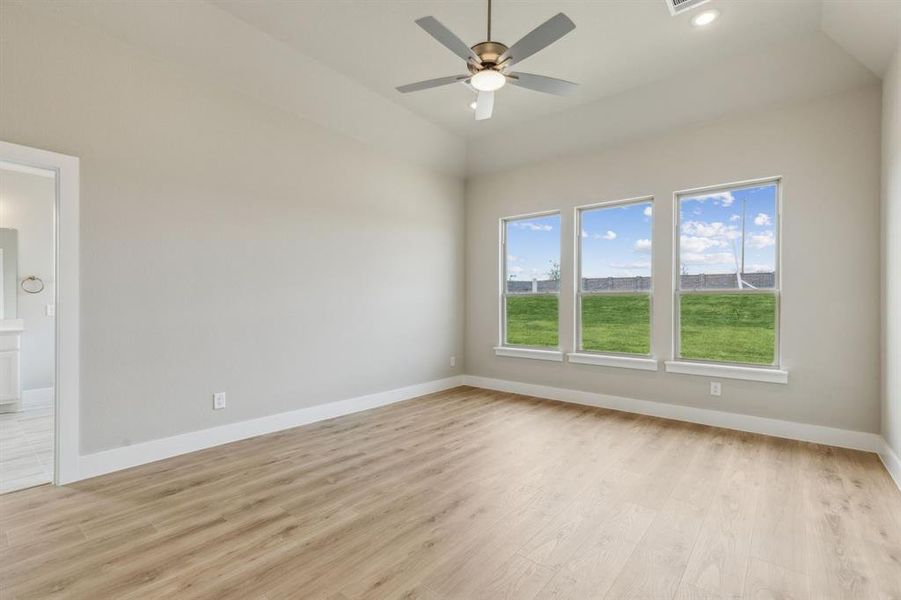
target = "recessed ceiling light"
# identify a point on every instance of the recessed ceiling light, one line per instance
(705, 18)
(473, 105)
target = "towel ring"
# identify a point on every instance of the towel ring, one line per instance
(32, 285)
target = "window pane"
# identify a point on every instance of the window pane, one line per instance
(732, 327)
(616, 257)
(617, 323)
(728, 239)
(616, 247)
(532, 280)
(533, 255)
(532, 320)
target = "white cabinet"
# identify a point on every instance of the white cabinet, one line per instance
(10, 368)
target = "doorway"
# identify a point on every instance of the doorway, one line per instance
(27, 329)
(38, 318)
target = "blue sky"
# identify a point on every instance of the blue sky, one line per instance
(616, 241)
(532, 246)
(711, 231)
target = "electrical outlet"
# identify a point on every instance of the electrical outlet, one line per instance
(218, 400)
(50, 310)
(453, 361)
(716, 388)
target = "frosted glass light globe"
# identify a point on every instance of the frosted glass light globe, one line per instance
(488, 80)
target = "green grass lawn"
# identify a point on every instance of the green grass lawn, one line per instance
(617, 323)
(532, 320)
(724, 327)
(729, 327)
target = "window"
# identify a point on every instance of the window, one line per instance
(531, 281)
(727, 285)
(614, 289)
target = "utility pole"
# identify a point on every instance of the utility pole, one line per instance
(744, 216)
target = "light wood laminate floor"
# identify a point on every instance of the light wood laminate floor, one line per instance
(26, 447)
(469, 494)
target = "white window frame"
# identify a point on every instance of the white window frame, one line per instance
(551, 353)
(604, 358)
(772, 373)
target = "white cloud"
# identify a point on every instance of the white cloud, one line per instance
(715, 230)
(515, 269)
(610, 235)
(631, 266)
(648, 211)
(584, 234)
(642, 246)
(762, 240)
(735, 218)
(532, 226)
(714, 258)
(762, 219)
(721, 198)
(700, 244)
(512, 258)
(705, 243)
(757, 268)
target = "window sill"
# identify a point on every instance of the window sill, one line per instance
(607, 360)
(533, 353)
(728, 371)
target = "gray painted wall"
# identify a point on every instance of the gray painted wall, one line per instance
(224, 242)
(829, 154)
(206, 215)
(891, 238)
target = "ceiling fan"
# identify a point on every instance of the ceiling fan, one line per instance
(489, 62)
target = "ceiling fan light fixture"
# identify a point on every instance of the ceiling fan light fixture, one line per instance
(488, 80)
(488, 62)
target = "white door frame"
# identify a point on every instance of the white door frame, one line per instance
(66, 443)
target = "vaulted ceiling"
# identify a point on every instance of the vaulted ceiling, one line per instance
(616, 46)
(639, 68)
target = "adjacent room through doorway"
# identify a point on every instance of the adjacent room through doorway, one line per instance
(27, 325)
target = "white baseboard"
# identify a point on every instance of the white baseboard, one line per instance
(107, 461)
(843, 438)
(892, 462)
(37, 397)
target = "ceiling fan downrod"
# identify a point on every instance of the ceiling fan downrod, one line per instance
(489, 52)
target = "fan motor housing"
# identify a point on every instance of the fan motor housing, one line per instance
(489, 52)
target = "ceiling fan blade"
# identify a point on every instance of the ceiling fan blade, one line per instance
(539, 38)
(484, 105)
(431, 83)
(540, 83)
(447, 38)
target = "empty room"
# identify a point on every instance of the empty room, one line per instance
(450, 299)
